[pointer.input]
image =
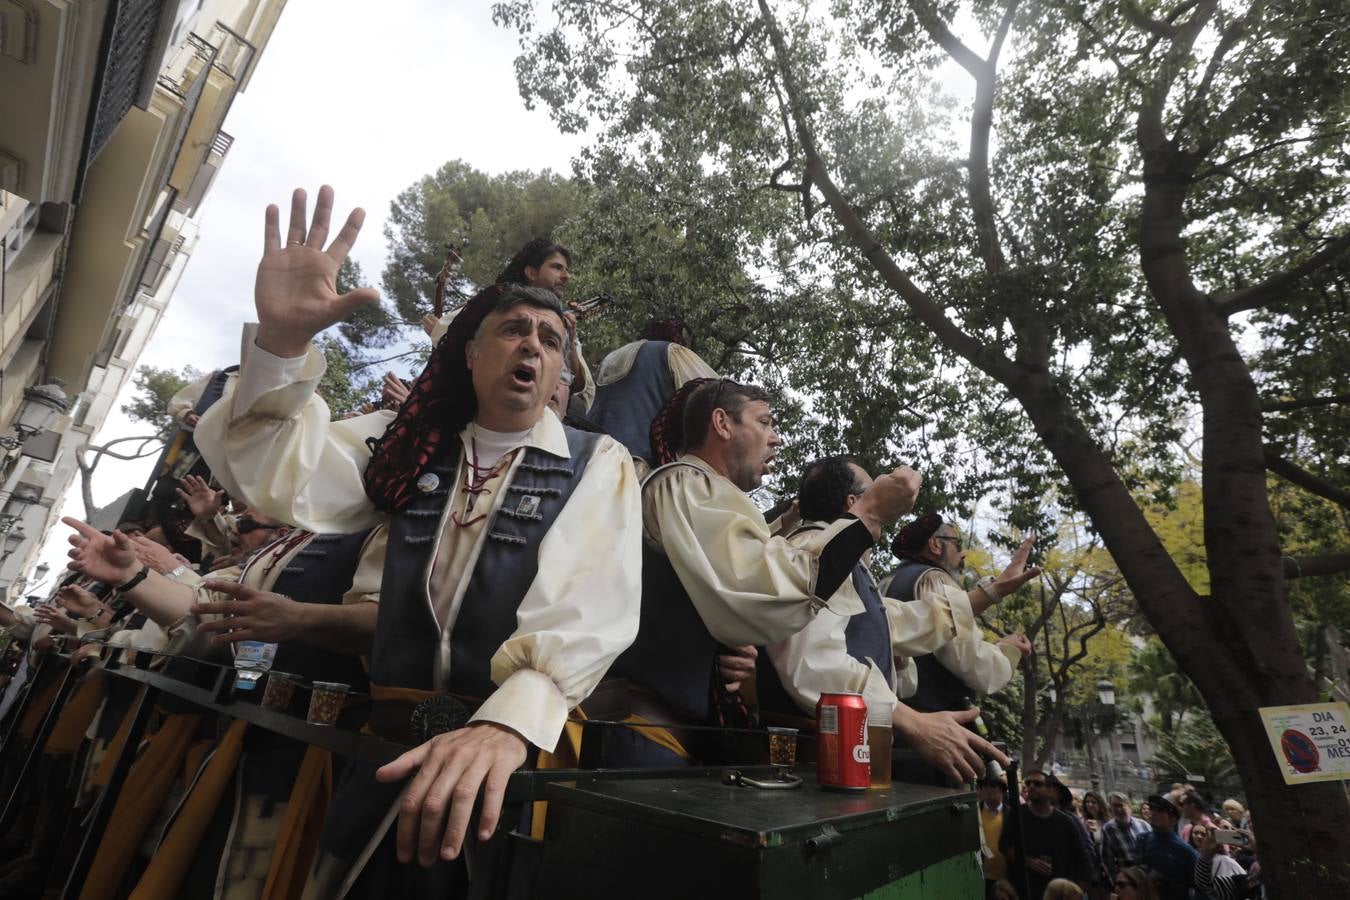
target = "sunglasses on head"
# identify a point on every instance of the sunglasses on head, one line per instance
(246, 525)
(1034, 782)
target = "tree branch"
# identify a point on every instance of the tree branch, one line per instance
(1287, 405)
(1313, 566)
(937, 29)
(990, 360)
(1273, 288)
(1308, 481)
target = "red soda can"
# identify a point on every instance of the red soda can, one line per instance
(843, 762)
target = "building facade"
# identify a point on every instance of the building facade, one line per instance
(111, 115)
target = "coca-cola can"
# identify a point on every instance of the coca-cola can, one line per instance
(843, 761)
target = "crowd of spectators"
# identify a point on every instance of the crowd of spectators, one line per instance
(1060, 844)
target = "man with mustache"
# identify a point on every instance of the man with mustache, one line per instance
(713, 575)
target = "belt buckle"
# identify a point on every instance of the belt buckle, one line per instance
(435, 715)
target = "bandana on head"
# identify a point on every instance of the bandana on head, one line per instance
(667, 431)
(912, 539)
(440, 403)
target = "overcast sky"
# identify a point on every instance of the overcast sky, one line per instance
(365, 98)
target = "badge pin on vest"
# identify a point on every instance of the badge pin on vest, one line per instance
(428, 482)
(529, 505)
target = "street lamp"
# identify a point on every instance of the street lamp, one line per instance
(13, 541)
(42, 404)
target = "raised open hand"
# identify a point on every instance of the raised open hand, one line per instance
(296, 290)
(1017, 573)
(110, 559)
(201, 500)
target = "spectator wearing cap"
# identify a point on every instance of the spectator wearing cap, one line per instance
(932, 558)
(1168, 858)
(1121, 835)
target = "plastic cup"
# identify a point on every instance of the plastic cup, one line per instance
(280, 690)
(782, 746)
(325, 702)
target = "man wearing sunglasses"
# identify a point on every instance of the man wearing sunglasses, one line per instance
(1047, 836)
(932, 557)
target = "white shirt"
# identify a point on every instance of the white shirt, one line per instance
(749, 587)
(270, 441)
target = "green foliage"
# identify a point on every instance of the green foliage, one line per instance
(1152, 673)
(1197, 749)
(492, 216)
(369, 326)
(344, 387)
(154, 388)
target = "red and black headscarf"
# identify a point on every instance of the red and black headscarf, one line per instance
(440, 403)
(667, 431)
(913, 538)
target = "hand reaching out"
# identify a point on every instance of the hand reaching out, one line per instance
(251, 615)
(79, 601)
(158, 557)
(296, 289)
(201, 500)
(110, 559)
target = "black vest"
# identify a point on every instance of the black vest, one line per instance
(321, 572)
(674, 654)
(407, 637)
(939, 689)
(625, 408)
(214, 389)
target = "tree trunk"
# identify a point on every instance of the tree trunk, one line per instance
(1247, 653)
(1029, 723)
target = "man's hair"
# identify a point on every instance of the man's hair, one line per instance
(540, 298)
(826, 486)
(723, 394)
(1193, 798)
(1117, 795)
(131, 525)
(533, 255)
(673, 330)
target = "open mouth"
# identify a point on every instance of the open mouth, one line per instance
(523, 377)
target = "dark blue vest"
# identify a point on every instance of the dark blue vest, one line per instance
(939, 689)
(625, 408)
(867, 636)
(407, 637)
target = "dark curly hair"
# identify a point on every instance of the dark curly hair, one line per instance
(533, 255)
(825, 488)
(441, 401)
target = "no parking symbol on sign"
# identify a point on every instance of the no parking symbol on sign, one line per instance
(1311, 741)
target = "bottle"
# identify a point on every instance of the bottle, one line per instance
(252, 659)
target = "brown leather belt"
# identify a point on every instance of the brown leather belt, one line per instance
(615, 699)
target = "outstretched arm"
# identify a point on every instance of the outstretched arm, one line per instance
(271, 441)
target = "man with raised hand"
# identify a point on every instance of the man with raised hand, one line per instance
(931, 559)
(856, 653)
(486, 601)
